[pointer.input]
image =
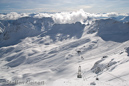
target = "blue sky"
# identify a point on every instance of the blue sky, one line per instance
(92, 6)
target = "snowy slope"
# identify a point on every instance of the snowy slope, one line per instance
(13, 30)
(44, 50)
(125, 19)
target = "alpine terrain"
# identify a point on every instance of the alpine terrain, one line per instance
(64, 49)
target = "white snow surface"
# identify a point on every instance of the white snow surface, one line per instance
(41, 49)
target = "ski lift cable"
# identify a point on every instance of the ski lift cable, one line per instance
(112, 75)
(80, 60)
(79, 65)
(84, 78)
(116, 77)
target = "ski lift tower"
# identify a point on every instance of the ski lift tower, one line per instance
(79, 72)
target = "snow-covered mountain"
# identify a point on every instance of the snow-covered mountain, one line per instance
(13, 31)
(125, 19)
(42, 49)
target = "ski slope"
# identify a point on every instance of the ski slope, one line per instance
(44, 49)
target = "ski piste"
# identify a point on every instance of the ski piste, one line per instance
(38, 48)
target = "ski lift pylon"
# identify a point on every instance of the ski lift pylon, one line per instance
(79, 72)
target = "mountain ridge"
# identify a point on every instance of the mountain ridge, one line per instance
(40, 49)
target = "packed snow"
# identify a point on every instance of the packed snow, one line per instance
(46, 49)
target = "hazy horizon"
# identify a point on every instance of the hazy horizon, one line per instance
(91, 6)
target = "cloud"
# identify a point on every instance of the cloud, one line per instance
(12, 16)
(76, 16)
(62, 17)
